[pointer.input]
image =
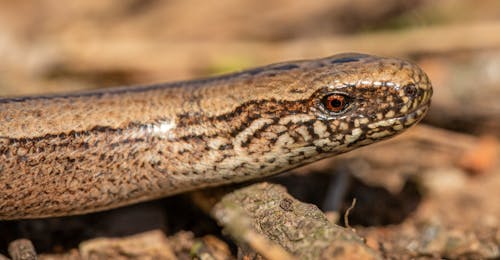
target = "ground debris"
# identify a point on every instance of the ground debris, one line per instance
(265, 218)
(22, 249)
(149, 245)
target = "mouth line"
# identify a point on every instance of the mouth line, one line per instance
(416, 113)
(405, 120)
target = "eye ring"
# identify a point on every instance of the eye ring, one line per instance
(335, 103)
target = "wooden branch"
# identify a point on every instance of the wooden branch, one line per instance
(265, 218)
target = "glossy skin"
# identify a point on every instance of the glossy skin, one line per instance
(85, 152)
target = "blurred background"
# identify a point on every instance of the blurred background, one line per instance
(433, 192)
(46, 46)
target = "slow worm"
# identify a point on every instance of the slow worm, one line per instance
(76, 153)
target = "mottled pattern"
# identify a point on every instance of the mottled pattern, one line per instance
(84, 152)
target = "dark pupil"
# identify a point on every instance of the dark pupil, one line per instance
(336, 103)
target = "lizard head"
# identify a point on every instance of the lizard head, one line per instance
(362, 99)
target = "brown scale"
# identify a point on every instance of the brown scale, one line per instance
(85, 152)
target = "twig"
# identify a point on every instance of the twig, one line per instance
(346, 215)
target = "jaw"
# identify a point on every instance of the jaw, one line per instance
(389, 127)
(415, 116)
(345, 141)
(382, 129)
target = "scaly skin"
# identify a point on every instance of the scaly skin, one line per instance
(85, 152)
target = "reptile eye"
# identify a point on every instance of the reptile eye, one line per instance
(335, 103)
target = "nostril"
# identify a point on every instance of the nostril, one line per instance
(410, 90)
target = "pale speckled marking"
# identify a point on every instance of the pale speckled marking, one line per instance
(217, 142)
(296, 119)
(284, 140)
(320, 129)
(302, 130)
(410, 120)
(339, 136)
(364, 121)
(355, 134)
(356, 123)
(397, 127)
(323, 142)
(379, 134)
(244, 135)
(390, 114)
